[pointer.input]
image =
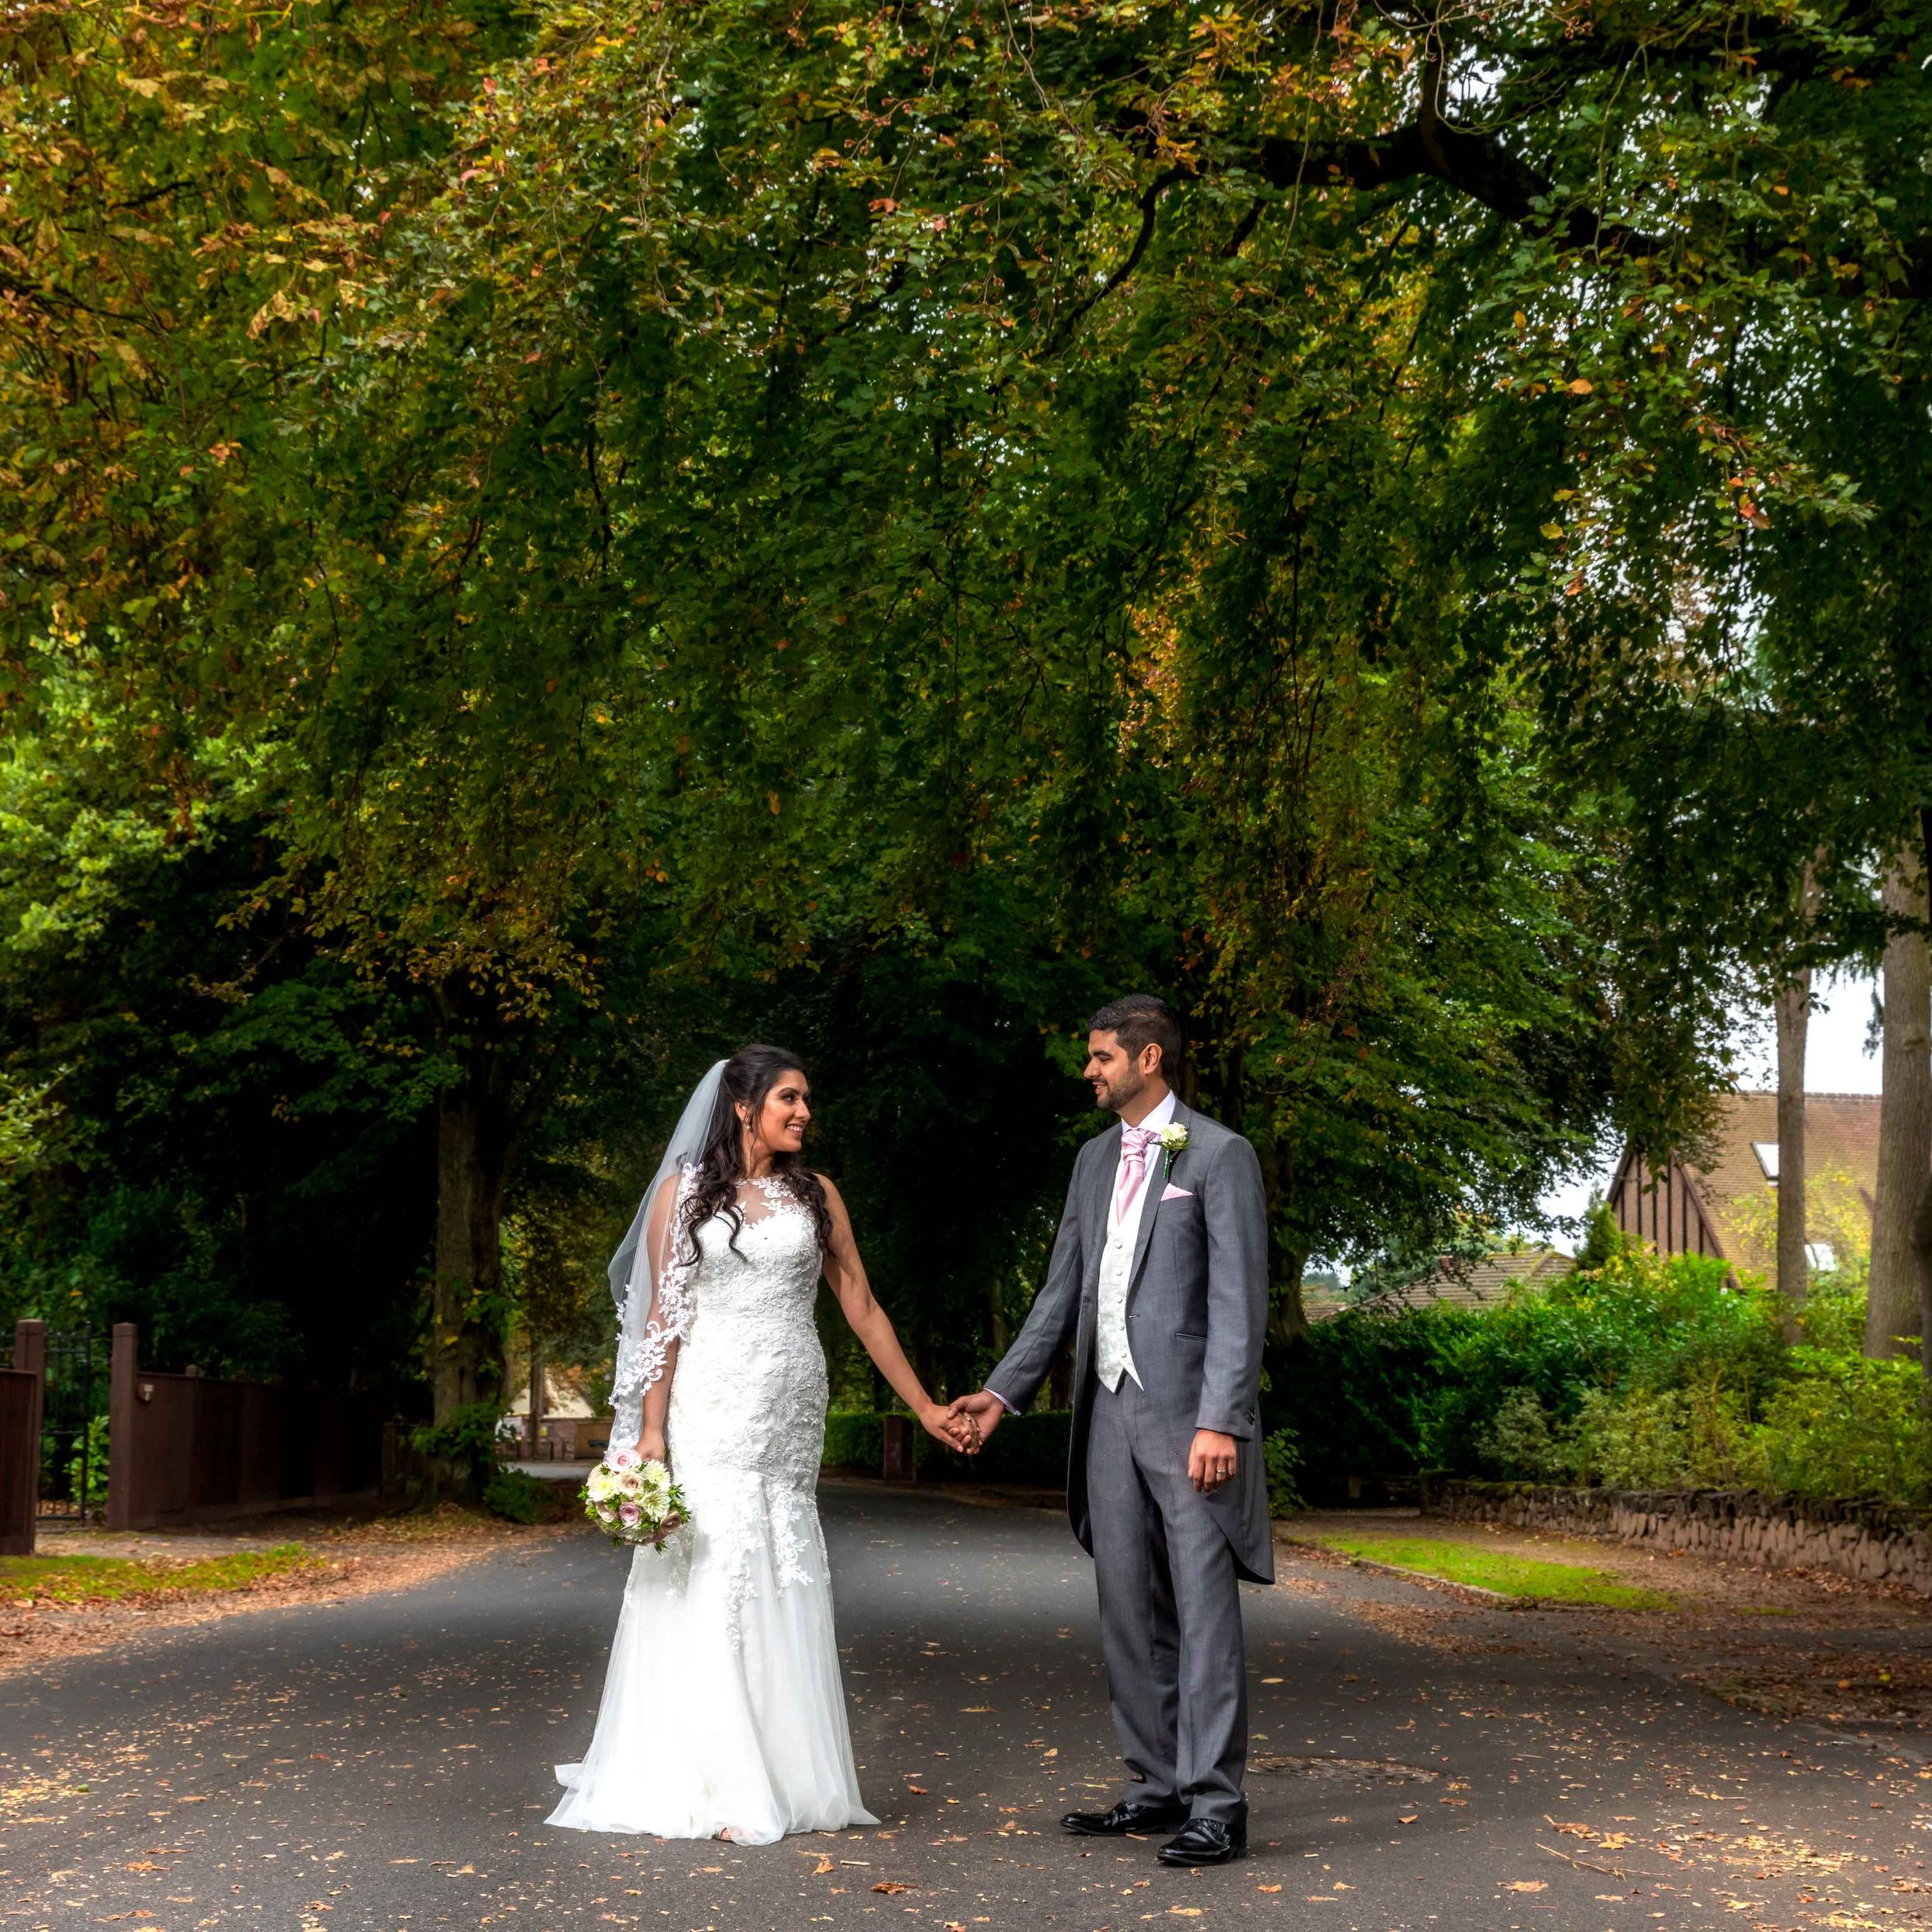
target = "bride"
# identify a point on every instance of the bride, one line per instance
(723, 1714)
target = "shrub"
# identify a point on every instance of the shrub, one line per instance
(86, 1472)
(1844, 1426)
(519, 1497)
(854, 1442)
(462, 1451)
(1642, 1441)
(1833, 1316)
(1281, 1456)
(1519, 1445)
(1644, 1371)
(1030, 1450)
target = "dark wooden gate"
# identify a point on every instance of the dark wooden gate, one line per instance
(21, 1386)
(197, 1448)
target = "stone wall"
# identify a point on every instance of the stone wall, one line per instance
(1875, 1542)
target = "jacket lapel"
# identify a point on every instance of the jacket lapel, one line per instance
(1154, 1186)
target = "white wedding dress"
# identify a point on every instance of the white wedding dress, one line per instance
(723, 1708)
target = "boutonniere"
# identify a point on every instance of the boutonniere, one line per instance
(1170, 1140)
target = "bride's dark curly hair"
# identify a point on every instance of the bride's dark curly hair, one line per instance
(749, 1075)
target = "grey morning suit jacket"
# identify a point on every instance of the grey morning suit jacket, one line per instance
(1197, 1315)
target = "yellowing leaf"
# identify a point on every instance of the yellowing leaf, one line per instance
(278, 307)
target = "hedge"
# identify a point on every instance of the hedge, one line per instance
(1029, 1450)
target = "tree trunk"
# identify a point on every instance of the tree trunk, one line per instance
(926, 1360)
(471, 1153)
(1922, 1248)
(1794, 1020)
(995, 1323)
(1922, 1221)
(1287, 1318)
(1894, 1320)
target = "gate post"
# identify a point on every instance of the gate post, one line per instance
(20, 1443)
(122, 1370)
(898, 1444)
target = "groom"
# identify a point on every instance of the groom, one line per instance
(1160, 1272)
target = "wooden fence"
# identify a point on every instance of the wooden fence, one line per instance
(22, 1389)
(196, 1449)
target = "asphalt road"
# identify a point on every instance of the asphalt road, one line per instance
(385, 1762)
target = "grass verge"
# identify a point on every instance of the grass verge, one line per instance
(1510, 1576)
(76, 1580)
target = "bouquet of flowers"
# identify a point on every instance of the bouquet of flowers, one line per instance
(632, 1500)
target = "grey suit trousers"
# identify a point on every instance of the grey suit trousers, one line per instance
(1169, 1610)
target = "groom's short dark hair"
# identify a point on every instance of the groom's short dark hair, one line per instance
(1140, 1020)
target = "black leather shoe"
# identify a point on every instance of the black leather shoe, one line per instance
(1124, 1818)
(1209, 1841)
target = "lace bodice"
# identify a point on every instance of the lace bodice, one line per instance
(746, 1423)
(749, 1390)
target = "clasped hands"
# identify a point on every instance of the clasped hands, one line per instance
(1212, 1457)
(957, 1431)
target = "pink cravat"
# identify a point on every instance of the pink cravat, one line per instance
(1135, 1144)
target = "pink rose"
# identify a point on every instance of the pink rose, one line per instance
(630, 1515)
(623, 1459)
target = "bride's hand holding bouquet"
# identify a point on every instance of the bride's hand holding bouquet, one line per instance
(631, 1497)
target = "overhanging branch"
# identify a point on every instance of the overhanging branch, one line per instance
(1476, 165)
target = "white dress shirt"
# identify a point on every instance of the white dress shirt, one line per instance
(1112, 1357)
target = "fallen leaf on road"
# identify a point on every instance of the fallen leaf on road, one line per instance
(890, 1885)
(1409, 1817)
(1525, 1885)
(1267, 1888)
(824, 1865)
(918, 1791)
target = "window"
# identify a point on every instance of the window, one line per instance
(1767, 1153)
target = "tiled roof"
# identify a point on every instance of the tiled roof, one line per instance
(1841, 1136)
(1477, 1285)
